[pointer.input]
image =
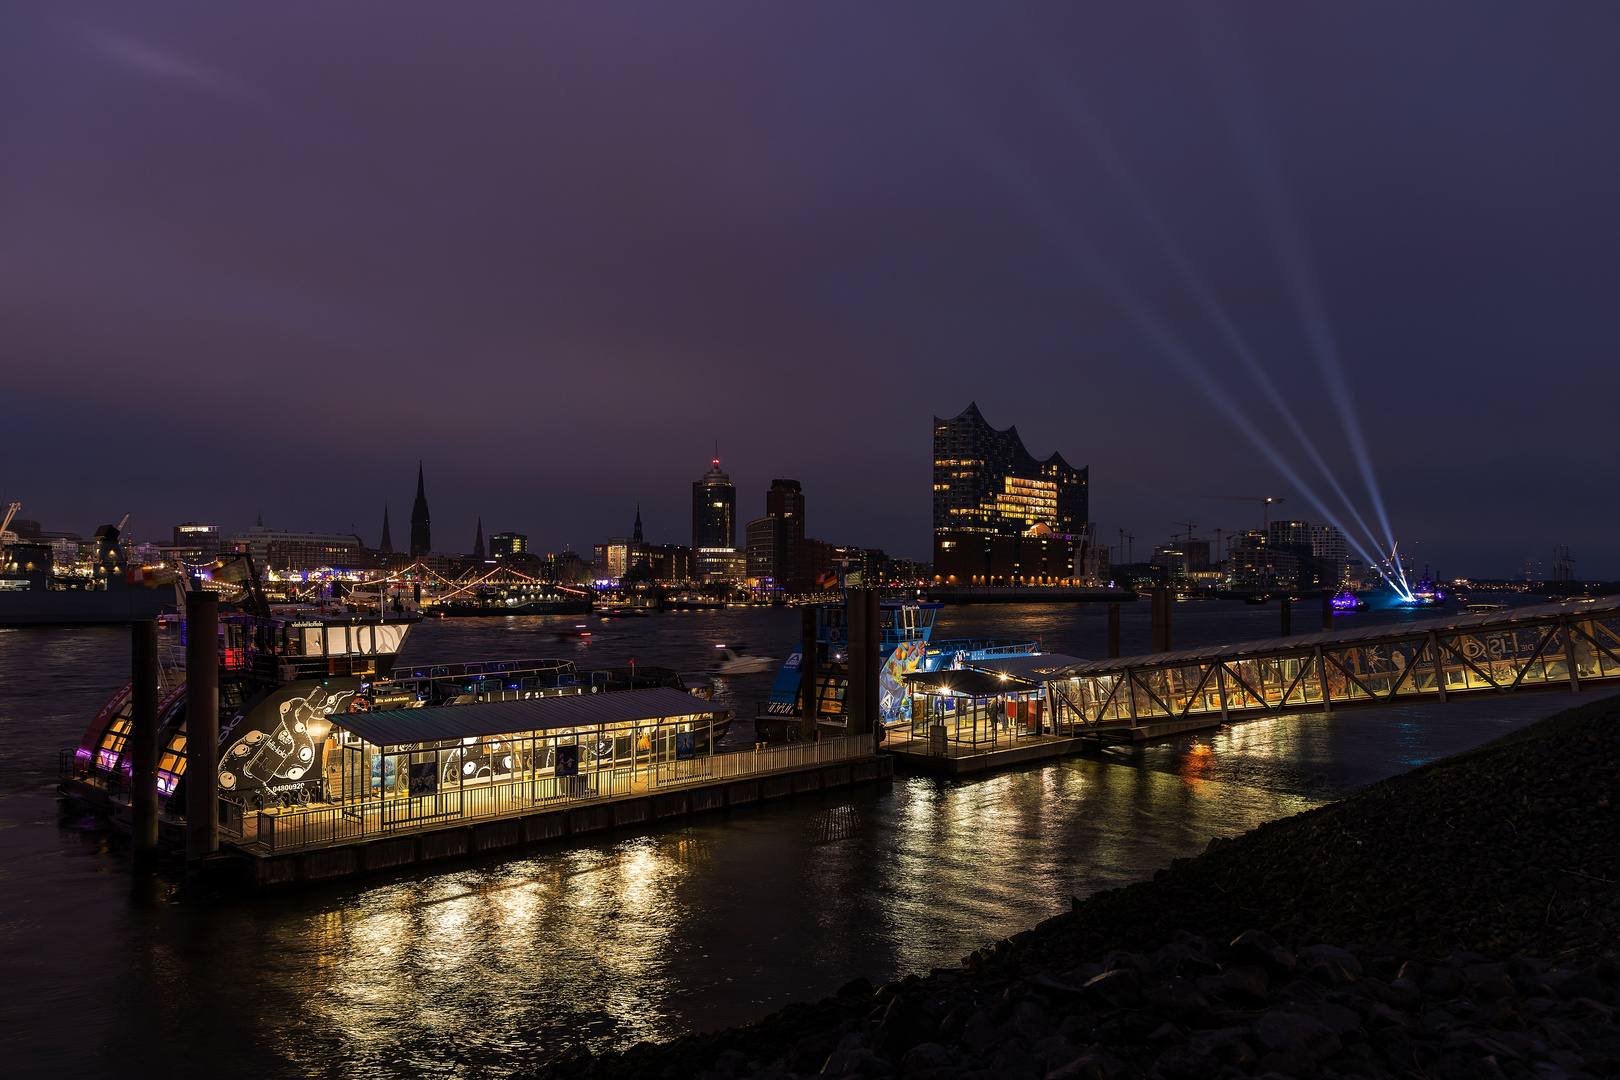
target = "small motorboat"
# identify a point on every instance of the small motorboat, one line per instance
(734, 662)
(1262, 598)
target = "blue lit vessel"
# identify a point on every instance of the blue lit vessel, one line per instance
(905, 646)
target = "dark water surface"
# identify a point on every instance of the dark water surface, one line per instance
(487, 967)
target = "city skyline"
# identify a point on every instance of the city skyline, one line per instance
(1099, 227)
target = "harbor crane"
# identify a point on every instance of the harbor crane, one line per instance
(7, 538)
(1264, 500)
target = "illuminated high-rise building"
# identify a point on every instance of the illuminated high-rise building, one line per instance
(986, 482)
(714, 510)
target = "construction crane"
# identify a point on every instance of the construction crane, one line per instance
(1264, 500)
(1189, 526)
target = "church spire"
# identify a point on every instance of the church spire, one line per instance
(478, 541)
(638, 523)
(387, 544)
(421, 524)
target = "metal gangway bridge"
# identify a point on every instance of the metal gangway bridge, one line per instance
(1573, 646)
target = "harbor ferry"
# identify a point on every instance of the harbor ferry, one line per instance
(296, 694)
(905, 648)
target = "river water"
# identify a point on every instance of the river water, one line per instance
(488, 967)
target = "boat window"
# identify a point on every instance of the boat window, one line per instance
(111, 750)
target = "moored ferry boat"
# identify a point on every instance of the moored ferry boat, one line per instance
(285, 688)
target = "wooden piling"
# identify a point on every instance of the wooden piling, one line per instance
(143, 736)
(202, 725)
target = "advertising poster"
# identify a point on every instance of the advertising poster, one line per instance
(424, 778)
(685, 745)
(568, 760)
(382, 770)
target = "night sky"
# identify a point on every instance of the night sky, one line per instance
(270, 255)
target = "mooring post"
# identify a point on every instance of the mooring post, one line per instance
(1113, 630)
(202, 725)
(809, 704)
(861, 699)
(870, 660)
(1327, 609)
(143, 734)
(1287, 610)
(1162, 635)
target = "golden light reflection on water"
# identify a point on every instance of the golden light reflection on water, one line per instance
(501, 965)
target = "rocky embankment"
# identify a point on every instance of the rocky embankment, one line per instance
(1456, 921)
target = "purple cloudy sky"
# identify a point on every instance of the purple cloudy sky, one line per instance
(268, 255)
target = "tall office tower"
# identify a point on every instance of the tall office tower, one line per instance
(784, 504)
(986, 482)
(714, 510)
(421, 525)
(785, 500)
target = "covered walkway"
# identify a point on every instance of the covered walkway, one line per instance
(1573, 645)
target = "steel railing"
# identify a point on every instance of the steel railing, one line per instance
(374, 818)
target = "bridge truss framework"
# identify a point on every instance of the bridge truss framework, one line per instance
(1553, 646)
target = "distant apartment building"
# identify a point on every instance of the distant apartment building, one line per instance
(196, 543)
(720, 564)
(631, 558)
(567, 568)
(1331, 551)
(301, 551)
(507, 543)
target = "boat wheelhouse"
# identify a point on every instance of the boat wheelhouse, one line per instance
(905, 647)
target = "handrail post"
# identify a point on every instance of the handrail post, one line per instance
(1439, 664)
(1569, 655)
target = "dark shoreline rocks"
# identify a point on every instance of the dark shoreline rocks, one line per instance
(1456, 921)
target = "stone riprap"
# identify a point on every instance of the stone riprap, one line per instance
(1482, 894)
